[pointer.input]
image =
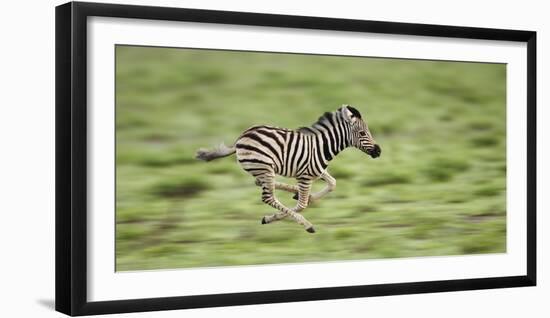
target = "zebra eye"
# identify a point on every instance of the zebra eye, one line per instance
(362, 134)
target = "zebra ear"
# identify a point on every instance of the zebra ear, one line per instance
(350, 114)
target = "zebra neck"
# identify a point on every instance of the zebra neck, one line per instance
(334, 135)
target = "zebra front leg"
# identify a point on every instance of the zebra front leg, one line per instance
(304, 187)
(304, 198)
(331, 184)
(268, 197)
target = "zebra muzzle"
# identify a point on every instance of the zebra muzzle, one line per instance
(375, 151)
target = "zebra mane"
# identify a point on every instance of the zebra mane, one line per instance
(327, 117)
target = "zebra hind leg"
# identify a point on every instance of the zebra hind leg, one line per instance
(285, 187)
(268, 186)
(281, 186)
(288, 188)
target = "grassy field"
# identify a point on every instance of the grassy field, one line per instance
(439, 187)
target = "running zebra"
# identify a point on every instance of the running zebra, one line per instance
(265, 151)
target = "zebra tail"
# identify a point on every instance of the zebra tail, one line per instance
(215, 153)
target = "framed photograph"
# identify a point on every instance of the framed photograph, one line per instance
(214, 158)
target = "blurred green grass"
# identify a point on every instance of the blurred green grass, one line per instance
(439, 187)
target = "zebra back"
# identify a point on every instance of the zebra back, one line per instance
(293, 153)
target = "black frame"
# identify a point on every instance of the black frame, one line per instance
(71, 157)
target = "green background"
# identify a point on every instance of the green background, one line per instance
(439, 187)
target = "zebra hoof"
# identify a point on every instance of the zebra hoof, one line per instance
(295, 197)
(310, 229)
(264, 221)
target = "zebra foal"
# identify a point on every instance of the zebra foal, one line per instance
(304, 154)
